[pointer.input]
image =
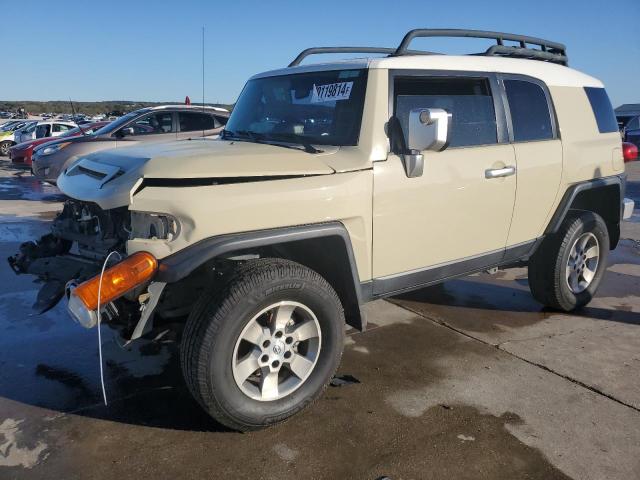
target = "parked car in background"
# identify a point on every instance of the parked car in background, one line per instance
(7, 137)
(21, 153)
(628, 116)
(8, 124)
(152, 124)
(44, 129)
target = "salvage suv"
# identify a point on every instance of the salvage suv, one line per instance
(332, 185)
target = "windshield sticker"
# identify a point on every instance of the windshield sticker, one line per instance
(331, 92)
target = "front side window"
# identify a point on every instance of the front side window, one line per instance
(116, 124)
(43, 131)
(315, 108)
(193, 121)
(161, 122)
(530, 115)
(602, 109)
(469, 100)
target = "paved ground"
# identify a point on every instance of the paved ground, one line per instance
(469, 380)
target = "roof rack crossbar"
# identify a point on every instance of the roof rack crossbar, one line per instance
(548, 50)
(321, 50)
(530, 53)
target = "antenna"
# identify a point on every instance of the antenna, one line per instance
(73, 110)
(203, 78)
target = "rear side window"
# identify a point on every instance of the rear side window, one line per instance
(469, 100)
(602, 109)
(530, 115)
(192, 121)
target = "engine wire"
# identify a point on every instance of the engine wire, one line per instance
(104, 266)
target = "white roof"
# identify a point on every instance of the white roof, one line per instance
(550, 73)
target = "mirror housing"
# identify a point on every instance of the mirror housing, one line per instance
(428, 130)
(125, 132)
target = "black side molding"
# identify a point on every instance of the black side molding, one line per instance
(179, 265)
(573, 191)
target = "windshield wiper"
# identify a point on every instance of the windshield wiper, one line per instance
(269, 139)
(296, 139)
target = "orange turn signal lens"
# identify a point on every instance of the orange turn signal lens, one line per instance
(117, 280)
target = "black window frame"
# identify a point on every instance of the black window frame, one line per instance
(502, 134)
(550, 106)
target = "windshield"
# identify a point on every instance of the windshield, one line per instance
(113, 126)
(308, 108)
(7, 126)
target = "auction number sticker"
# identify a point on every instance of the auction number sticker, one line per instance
(331, 92)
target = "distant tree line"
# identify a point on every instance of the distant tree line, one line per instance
(87, 108)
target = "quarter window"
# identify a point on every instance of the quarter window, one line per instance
(469, 100)
(602, 109)
(530, 115)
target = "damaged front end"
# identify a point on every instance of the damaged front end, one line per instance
(71, 257)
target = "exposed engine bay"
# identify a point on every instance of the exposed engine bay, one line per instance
(81, 237)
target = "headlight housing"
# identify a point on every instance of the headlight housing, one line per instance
(53, 148)
(154, 226)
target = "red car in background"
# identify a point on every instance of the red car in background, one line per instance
(21, 154)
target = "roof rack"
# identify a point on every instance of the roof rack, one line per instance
(546, 50)
(320, 50)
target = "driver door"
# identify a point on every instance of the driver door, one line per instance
(455, 217)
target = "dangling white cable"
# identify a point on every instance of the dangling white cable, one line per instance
(104, 266)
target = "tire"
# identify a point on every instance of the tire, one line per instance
(4, 148)
(212, 352)
(554, 274)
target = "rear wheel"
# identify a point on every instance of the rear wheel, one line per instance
(4, 148)
(264, 346)
(567, 269)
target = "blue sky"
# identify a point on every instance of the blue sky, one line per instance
(151, 50)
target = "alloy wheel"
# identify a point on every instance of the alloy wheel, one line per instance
(276, 351)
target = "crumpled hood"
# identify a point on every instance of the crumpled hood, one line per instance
(109, 177)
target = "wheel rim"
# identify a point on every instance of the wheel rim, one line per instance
(583, 262)
(4, 148)
(276, 351)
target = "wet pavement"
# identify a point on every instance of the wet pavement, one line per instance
(472, 379)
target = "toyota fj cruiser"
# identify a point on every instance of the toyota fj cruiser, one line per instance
(334, 184)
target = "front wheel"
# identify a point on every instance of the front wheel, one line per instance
(264, 346)
(566, 270)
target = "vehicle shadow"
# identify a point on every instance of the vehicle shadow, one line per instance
(488, 305)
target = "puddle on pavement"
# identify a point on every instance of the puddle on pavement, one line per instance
(27, 187)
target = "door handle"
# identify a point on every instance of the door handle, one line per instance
(499, 172)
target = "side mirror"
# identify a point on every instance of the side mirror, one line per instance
(428, 130)
(125, 132)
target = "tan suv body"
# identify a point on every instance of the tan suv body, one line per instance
(335, 184)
